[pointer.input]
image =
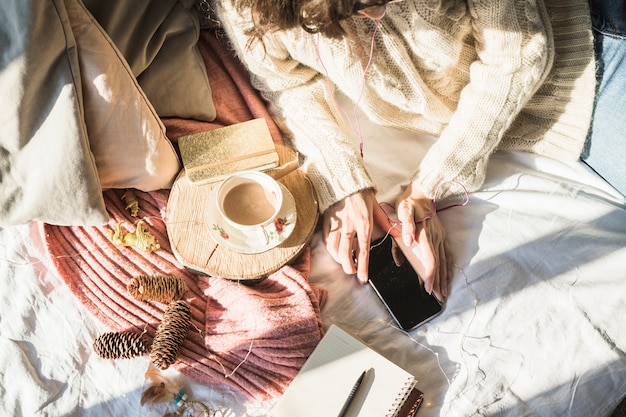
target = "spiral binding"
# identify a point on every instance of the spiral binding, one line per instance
(401, 398)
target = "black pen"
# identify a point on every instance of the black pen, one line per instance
(352, 394)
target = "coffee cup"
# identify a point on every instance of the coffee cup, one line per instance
(249, 201)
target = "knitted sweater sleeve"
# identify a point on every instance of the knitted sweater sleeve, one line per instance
(513, 41)
(299, 100)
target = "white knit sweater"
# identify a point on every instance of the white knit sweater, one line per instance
(480, 75)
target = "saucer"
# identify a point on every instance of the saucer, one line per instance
(235, 240)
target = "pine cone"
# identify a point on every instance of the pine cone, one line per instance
(163, 288)
(120, 345)
(170, 334)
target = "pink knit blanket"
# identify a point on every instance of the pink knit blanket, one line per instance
(253, 338)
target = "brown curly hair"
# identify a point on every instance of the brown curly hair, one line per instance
(314, 16)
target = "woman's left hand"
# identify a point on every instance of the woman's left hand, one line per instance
(425, 235)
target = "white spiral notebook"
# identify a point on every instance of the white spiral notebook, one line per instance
(324, 383)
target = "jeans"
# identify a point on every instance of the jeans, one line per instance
(605, 152)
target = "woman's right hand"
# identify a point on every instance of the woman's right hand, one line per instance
(347, 231)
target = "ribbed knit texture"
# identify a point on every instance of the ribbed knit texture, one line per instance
(479, 75)
(252, 338)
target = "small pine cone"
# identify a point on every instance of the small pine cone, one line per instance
(122, 345)
(163, 288)
(170, 334)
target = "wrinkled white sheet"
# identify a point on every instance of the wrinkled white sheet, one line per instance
(534, 324)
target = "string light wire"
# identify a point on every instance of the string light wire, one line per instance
(356, 125)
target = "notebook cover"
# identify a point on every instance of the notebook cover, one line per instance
(412, 404)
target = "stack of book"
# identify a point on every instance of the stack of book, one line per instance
(213, 155)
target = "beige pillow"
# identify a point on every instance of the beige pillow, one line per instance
(126, 136)
(47, 172)
(159, 40)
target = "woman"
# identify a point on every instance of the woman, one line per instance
(480, 75)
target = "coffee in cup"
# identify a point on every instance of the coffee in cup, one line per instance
(249, 201)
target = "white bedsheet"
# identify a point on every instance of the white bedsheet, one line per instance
(534, 324)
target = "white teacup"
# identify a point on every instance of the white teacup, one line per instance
(250, 201)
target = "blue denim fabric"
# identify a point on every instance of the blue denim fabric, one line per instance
(606, 148)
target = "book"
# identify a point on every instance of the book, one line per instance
(212, 155)
(327, 377)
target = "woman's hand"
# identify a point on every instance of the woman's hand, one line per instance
(424, 234)
(347, 230)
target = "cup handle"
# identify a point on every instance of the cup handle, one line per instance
(263, 235)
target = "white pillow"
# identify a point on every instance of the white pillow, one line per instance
(47, 172)
(126, 136)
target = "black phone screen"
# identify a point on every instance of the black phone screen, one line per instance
(399, 287)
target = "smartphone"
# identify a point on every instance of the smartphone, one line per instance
(400, 288)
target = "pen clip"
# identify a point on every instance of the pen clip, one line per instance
(353, 392)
